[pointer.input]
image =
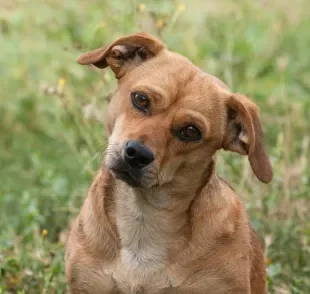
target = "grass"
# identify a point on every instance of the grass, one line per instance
(52, 120)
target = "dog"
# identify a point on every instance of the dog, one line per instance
(157, 218)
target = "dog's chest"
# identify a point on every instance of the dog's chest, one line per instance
(144, 248)
(128, 280)
(143, 234)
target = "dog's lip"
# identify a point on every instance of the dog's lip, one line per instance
(125, 175)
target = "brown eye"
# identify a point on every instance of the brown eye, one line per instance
(189, 133)
(140, 101)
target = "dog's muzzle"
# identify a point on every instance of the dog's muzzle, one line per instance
(132, 163)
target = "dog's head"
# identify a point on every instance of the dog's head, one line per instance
(167, 118)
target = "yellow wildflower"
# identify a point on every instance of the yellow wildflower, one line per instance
(61, 83)
(181, 7)
(60, 86)
(142, 7)
(44, 233)
(160, 23)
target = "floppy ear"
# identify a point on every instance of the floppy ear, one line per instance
(124, 53)
(244, 135)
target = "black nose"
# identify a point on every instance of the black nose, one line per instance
(137, 155)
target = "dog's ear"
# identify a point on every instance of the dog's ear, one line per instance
(124, 53)
(244, 135)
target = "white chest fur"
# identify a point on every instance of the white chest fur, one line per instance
(145, 240)
(142, 236)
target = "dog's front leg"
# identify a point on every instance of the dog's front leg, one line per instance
(93, 290)
(85, 280)
(74, 291)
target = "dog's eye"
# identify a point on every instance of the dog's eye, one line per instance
(140, 101)
(189, 133)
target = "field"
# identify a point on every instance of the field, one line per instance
(52, 114)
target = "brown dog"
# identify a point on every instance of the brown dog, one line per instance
(157, 218)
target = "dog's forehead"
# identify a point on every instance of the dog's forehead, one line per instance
(177, 78)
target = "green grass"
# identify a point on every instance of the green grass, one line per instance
(52, 112)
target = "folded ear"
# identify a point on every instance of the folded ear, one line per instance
(124, 53)
(244, 135)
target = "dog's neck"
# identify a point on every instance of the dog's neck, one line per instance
(152, 223)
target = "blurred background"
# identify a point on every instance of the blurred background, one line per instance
(52, 114)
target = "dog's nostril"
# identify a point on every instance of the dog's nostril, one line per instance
(131, 152)
(137, 155)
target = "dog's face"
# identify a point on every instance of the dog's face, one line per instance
(167, 118)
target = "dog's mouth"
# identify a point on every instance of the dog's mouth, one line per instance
(129, 177)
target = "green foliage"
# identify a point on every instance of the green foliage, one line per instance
(52, 112)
